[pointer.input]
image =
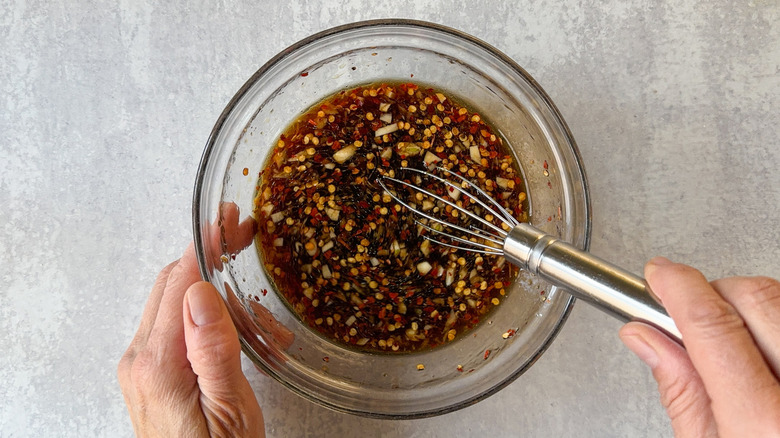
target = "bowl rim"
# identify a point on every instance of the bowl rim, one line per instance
(394, 22)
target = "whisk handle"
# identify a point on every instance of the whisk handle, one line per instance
(609, 287)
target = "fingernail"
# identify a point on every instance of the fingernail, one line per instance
(660, 261)
(639, 346)
(204, 305)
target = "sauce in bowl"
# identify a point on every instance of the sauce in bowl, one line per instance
(350, 261)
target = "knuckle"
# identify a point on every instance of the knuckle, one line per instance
(123, 369)
(215, 351)
(715, 316)
(165, 273)
(679, 396)
(761, 291)
(143, 371)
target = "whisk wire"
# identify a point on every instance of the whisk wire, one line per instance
(434, 218)
(503, 215)
(487, 249)
(450, 203)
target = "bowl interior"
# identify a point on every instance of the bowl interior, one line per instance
(387, 385)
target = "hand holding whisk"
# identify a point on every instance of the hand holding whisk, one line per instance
(608, 287)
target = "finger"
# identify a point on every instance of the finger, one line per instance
(228, 236)
(167, 335)
(242, 236)
(735, 375)
(237, 235)
(682, 391)
(153, 304)
(757, 300)
(213, 349)
(147, 322)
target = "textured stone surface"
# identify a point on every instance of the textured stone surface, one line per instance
(105, 108)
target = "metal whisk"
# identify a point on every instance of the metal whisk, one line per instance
(608, 287)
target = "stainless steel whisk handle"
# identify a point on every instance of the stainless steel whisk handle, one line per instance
(613, 289)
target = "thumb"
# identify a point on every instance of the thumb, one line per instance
(212, 344)
(682, 391)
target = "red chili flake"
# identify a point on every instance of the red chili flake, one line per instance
(460, 368)
(264, 292)
(487, 354)
(326, 359)
(304, 74)
(545, 164)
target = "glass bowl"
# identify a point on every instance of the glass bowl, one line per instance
(459, 373)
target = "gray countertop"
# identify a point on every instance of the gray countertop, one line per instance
(105, 109)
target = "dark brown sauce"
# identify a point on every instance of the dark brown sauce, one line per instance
(349, 260)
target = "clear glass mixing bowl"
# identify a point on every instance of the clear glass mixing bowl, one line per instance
(457, 374)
